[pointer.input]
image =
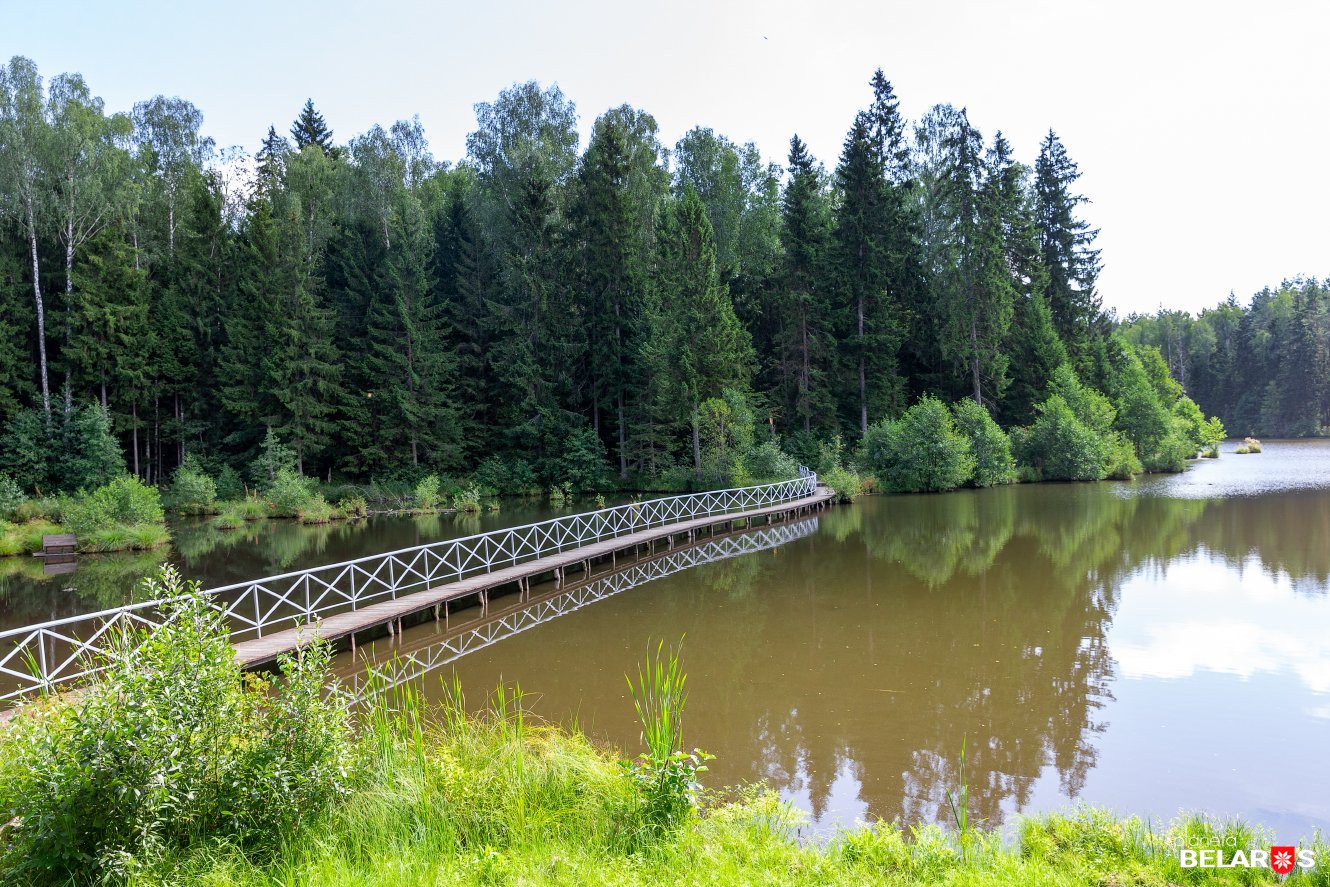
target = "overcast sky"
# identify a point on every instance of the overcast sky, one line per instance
(1200, 127)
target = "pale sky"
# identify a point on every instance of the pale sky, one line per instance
(1199, 126)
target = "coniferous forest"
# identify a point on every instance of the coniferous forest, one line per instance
(544, 311)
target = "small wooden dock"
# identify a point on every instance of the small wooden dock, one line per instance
(258, 651)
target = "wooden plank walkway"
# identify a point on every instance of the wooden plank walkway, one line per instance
(265, 649)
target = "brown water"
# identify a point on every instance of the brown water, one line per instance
(1151, 647)
(222, 557)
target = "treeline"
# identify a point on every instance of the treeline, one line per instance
(1264, 368)
(536, 312)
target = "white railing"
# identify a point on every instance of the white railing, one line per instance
(402, 663)
(49, 654)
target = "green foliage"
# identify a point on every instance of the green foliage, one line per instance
(274, 457)
(427, 493)
(11, 496)
(229, 485)
(1249, 445)
(25, 537)
(61, 452)
(92, 456)
(353, 506)
(237, 512)
(768, 463)
(544, 315)
(989, 444)
(1059, 446)
(665, 775)
(468, 500)
(845, 482)
(192, 491)
(922, 451)
(508, 477)
(317, 510)
(125, 501)
(289, 492)
(170, 748)
(581, 460)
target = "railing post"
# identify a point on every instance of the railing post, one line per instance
(42, 665)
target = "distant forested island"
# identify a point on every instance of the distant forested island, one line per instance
(541, 314)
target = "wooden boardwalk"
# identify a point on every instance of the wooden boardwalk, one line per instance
(390, 613)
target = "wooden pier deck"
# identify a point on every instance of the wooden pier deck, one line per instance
(386, 613)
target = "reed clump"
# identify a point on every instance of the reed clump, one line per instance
(1249, 445)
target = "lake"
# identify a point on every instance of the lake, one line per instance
(1150, 646)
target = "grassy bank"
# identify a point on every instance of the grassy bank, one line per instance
(123, 515)
(177, 769)
(496, 799)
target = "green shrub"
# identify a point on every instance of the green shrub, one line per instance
(767, 463)
(46, 508)
(125, 501)
(561, 494)
(845, 483)
(993, 462)
(171, 747)
(427, 493)
(581, 458)
(1172, 454)
(274, 457)
(920, 452)
(507, 477)
(353, 506)
(289, 492)
(229, 485)
(11, 497)
(192, 491)
(61, 451)
(468, 500)
(1121, 461)
(1059, 446)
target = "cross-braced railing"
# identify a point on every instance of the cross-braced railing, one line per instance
(58, 652)
(401, 665)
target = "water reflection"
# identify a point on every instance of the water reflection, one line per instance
(420, 651)
(222, 557)
(1054, 627)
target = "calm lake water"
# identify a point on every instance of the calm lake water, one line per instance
(218, 558)
(1151, 646)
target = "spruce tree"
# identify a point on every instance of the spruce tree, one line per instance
(412, 369)
(1067, 244)
(270, 161)
(807, 344)
(697, 348)
(870, 331)
(610, 251)
(310, 129)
